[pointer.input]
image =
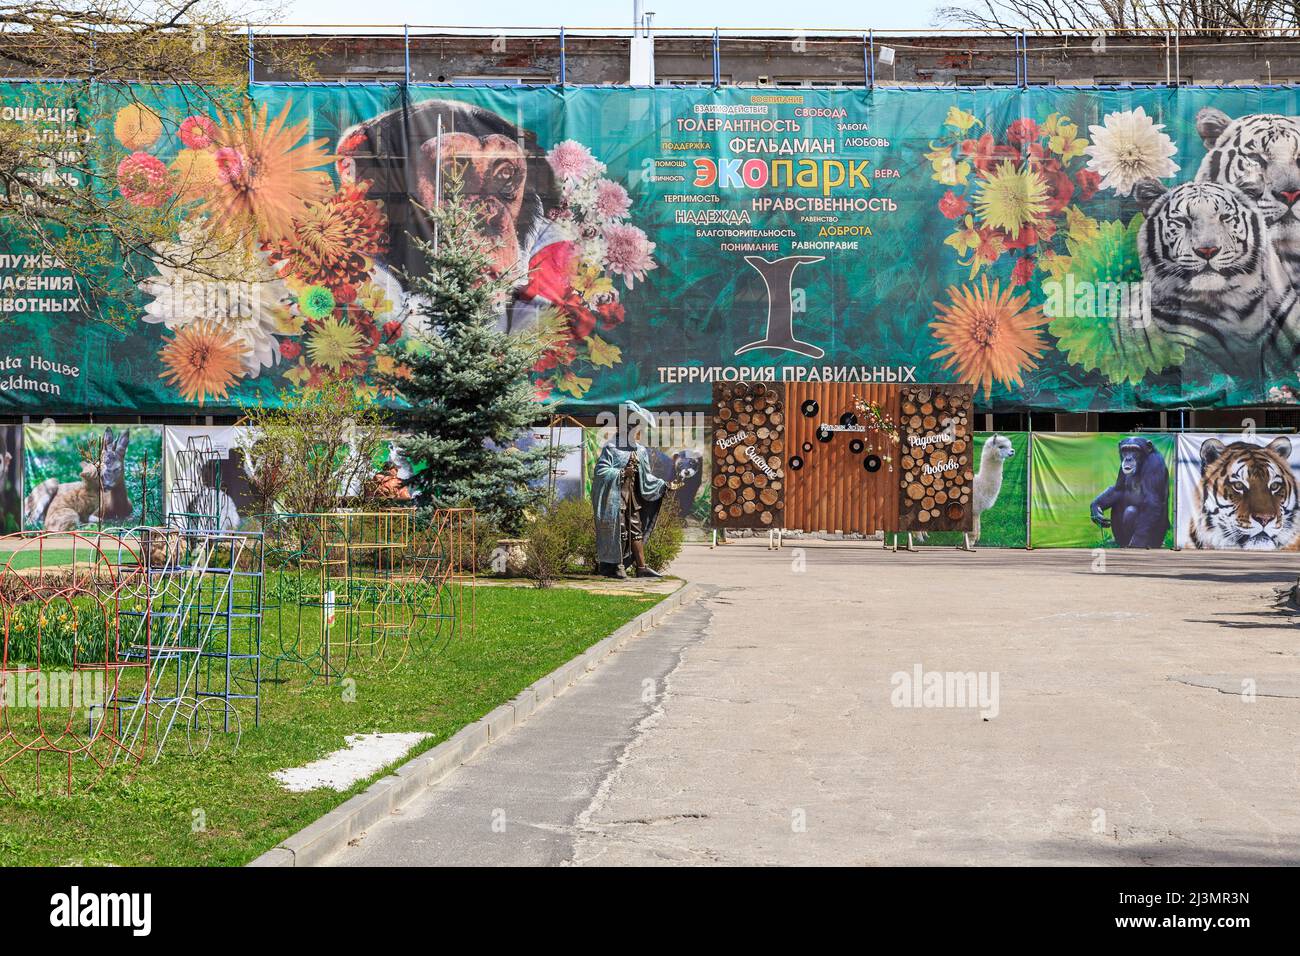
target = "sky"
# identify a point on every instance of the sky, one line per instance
(862, 15)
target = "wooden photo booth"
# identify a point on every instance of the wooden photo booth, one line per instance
(839, 457)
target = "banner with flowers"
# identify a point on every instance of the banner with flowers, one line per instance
(1058, 249)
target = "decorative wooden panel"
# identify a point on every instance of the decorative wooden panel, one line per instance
(839, 480)
(749, 448)
(936, 458)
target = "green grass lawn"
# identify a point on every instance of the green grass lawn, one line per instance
(31, 556)
(521, 635)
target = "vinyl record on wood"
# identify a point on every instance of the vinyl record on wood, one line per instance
(833, 492)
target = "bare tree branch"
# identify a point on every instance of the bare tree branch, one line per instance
(84, 62)
(1221, 18)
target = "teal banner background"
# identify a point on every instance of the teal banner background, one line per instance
(646, 272)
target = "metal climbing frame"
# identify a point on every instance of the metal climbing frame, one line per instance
(444, 559)
(194, 498)
(200, 599)
(346, 588)
(68, 653)
(383, 599)
(305, 588)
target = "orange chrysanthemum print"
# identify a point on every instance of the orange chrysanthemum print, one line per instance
(988, 334)
(265, 175)
(336, 241)
(202, 361)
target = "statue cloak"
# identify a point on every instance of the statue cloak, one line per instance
(607, 502)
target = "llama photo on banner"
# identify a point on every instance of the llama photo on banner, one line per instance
(1238, 492)
(1104, 490)
(91, 476)
(1001, 493)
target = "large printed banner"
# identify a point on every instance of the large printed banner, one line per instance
(1239, 492)
(1000, 491)
(99, 476)
(1059, 249)
(206, 475)
(1099, 490)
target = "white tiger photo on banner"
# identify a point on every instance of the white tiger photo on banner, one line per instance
(1258, 153)
(1215, 282)
(1220, 254)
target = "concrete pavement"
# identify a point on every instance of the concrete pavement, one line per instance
(757, 725)
(518, 801)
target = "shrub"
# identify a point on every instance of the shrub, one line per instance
(564, 537)
(547, 551)
(577, 524)
(665, 542)
(314, 449)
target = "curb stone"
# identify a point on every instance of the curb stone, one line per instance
(311, 845)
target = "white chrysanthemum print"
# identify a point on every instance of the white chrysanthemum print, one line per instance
(237, 291)
(1129, 147)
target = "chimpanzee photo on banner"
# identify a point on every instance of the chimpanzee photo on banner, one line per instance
(1102, 490)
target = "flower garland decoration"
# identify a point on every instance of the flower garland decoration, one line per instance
(875, 420)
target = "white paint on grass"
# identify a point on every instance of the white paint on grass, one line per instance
(364, 756)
